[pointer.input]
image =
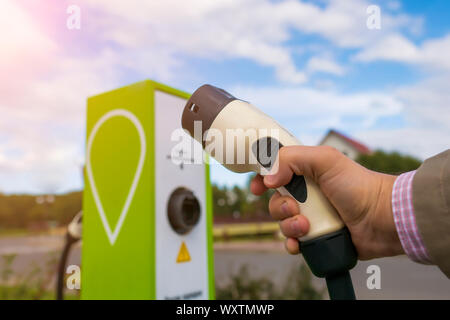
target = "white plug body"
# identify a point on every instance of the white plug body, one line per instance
(241, 118)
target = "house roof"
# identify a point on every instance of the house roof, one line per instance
(360, 147)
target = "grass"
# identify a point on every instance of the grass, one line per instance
(13, 233)
(27, 293)
(30, 285)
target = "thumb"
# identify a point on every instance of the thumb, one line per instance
(312, 162)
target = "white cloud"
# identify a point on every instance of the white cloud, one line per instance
(428, 104)
(324, 64)
(432, 54)
(394, 47)
(253, 29)
(206, 29)
(436, 52)
(320, 104)
(393, 5)
(344, 23)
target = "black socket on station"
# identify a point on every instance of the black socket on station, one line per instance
(183, 210)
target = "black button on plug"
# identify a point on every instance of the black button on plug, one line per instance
(266, 151)
(297, 188)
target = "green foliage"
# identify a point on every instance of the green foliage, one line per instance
(23, 211)
(244, 287)
(7, 269)
(23, 293)
(30, 285)
(391, 163)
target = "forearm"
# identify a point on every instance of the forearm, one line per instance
(431, 204)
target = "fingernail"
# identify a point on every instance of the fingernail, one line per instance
(285, 207)
(295, 225)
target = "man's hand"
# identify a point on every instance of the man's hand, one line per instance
(361, 197)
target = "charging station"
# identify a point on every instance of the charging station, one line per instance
(147, 221)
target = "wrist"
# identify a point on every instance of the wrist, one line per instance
(387, 239)
(383, 240)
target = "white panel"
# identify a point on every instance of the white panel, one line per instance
(177, 280)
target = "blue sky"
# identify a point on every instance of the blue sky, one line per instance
(312, 65)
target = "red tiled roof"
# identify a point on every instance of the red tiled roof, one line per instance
(357, 145)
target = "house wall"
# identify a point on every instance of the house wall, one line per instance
(342, 145)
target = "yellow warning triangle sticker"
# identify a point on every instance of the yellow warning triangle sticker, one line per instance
(183, 254)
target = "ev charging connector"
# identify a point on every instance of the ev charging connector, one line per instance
(327, 248)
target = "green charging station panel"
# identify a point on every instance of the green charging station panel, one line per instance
(130, 250)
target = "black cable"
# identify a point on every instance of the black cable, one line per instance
(331, 256)
(340, 287)
(62, 266)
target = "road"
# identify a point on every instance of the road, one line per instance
(400, 278)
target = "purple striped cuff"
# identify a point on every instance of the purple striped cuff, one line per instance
(405, 221)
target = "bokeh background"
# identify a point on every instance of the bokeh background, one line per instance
(378, 94)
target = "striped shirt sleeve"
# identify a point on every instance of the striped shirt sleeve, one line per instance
(405, 221)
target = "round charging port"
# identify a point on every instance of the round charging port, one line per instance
(183, 210)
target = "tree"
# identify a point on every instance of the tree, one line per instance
(390, 163)
(22, 211)
(227, 201)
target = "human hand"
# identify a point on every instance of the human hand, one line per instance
(361, 197)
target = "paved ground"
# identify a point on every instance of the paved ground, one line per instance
(400, 278)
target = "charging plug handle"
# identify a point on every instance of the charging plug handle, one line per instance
(331, 257)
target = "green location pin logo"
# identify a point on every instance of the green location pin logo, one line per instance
(111, 232)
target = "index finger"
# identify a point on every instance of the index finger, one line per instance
(257, 186)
